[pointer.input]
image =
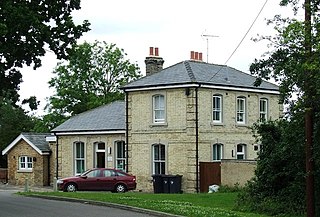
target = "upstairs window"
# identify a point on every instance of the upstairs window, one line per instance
(25, 163)
(158, 109)
(263, 109)
(217, 109)
(217, 152)
(241, 110)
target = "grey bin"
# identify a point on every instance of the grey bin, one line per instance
(170, 184)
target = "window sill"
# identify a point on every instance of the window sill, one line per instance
(241, 125)
(24, 171)
(217, 124)
(159, 124)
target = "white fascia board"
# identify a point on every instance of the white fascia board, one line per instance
(207, 86)
(5, 151)
(241, 89)
(90, 133)
(163, 87)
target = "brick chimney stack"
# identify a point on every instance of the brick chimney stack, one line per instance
(154, 63)
(196, 56)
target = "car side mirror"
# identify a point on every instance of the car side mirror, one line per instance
(84, 176)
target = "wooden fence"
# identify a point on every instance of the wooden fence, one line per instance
(4, 175)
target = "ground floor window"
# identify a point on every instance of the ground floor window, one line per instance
(241, 151)
(217, 152)
(159, 158)
(79, 153)
(25, 163)
(120, 151)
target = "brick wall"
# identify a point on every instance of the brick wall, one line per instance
(235, 172)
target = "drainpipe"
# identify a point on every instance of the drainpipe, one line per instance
(197, 142)
(57, 162)
(49, 171)
(127, 130)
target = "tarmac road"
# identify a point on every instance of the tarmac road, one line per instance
(13, 205)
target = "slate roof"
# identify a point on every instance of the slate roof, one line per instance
(110, 117)
(39, 140)
(195, 72)
(36, 140)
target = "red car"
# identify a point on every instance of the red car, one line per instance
(99, 179)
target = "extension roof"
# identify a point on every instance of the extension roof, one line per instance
(195, 73)
(36, 140)
(103, 119)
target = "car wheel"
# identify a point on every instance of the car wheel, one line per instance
(120, 188)
(71, 187)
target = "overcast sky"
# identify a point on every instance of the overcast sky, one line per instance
(174, 26)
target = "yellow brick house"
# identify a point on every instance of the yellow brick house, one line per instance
(194, 112)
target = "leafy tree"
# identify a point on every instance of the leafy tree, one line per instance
(279, 184)
(91, 77)
(26, 29)
(13, 121)
(287, 62)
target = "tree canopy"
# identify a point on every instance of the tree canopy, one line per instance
(27, 30)
(287, 61)
(280, 182)
(91, 77)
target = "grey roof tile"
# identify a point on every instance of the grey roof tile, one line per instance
(104, 118)
(190, 72)
(39, 140)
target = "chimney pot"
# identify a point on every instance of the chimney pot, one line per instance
(156, 52)
(200, 56)
(196, 56)
(192, 55)
(151, 51)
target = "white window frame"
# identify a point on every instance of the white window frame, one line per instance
(80, 158)
(241, 110)
(263, 109)
(25, 163)
(242, 152)
(160, 162)
(158, 108)
(120, 159)
(216, 109)
(217, 152)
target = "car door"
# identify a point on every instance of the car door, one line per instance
(91, 181)
(109, 179)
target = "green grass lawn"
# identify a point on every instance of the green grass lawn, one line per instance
(193, 205)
